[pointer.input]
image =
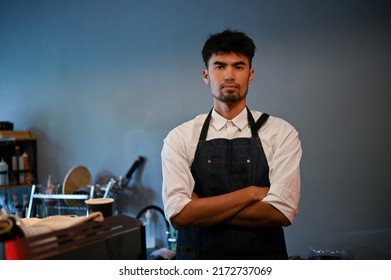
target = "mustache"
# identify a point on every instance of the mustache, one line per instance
(230, 84)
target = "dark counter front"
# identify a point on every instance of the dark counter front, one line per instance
(115, 238)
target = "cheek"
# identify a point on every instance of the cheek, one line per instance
(214, 84)
(216, 79)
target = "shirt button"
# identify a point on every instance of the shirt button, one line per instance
(209, 161)
(248, 161)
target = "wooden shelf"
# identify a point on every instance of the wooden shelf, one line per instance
(10, 135)
(14, 186)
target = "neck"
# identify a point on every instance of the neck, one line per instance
(229, 110)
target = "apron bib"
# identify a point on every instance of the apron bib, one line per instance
(221, 166)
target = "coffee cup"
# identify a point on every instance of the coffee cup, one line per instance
(103, 205)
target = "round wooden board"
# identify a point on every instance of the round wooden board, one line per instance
(76, 177)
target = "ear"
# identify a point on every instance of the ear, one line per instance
(251, 76)
(205, 76)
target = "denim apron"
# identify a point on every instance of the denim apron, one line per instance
(221, 166)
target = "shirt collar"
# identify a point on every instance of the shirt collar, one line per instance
(239, 121)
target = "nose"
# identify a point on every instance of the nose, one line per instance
(229, 74)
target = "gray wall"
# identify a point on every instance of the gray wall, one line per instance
(101, 82)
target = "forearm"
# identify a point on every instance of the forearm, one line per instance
(259, 214)
(202, 212)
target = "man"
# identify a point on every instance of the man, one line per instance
(231, 178)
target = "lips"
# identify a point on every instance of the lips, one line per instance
(229, 86)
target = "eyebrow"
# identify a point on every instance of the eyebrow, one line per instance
(224, 64)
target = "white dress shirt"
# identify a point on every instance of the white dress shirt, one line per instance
(280, 142)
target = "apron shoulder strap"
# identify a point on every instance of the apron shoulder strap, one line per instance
(261, 121)
(205, 127)
(255, 126)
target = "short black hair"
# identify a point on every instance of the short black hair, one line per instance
(226, 42)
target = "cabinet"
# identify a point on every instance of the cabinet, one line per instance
(16, 143)
(14, 196)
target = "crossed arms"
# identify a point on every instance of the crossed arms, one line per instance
(242, 208)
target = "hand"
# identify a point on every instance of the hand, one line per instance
(259, 214)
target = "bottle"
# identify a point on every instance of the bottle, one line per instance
(27, 174)
(21, 169)
(149, 230)
(15, 166)
(26, 202)
(3, 172)
(49, 186)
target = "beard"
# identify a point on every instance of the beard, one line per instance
(229, 93)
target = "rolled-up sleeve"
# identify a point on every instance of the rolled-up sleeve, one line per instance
(284, 171)
(178, 183)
